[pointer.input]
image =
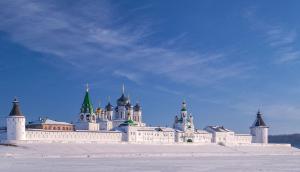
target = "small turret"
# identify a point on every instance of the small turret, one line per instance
(109, 111)
(15, 123)
(137, 113)
(259, 130)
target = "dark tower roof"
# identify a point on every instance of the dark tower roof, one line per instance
(109, 107)
(15, 111)
(137, 107)
(123, 100)
(259, 121)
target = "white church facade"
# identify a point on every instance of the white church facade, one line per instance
(122, 123)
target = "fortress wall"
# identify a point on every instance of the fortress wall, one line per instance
(243, 138)
(72, 136)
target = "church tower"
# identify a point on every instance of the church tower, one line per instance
(122, 106)
(259, 130)
(184, 122)
(87, 117)
(15, 123)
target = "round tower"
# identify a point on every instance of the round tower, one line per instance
(259, 130)
(15, 123)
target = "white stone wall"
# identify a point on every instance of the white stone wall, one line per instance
(260, 134)
(150, 135)
(243, 138)
(106, 125)
(223, 137)
(73, 136)
(16, 128)
(196, 137)
(90, 126)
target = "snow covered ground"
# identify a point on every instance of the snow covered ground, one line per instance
(135, 157)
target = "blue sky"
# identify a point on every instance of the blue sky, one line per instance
(226, 59)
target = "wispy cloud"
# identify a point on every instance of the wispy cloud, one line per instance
(92, 36)
(281, 39)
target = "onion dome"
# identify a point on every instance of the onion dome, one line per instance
(87, 106)
(109, 107)
(137, 107)
(259, 121)
(123, 100)
(15, 111)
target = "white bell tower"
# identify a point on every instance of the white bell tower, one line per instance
(15, 123)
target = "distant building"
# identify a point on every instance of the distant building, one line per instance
(123, 123)
(48, 124)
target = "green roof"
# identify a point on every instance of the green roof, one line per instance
(128, 122)
(87, 106)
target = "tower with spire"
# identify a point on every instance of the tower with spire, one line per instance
(259, 130)
(87, 116)
(15, 123)
(185, 121)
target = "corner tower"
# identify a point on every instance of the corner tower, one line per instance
(259, 130)
(15, 123)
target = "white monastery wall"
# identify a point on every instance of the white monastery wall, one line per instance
(195, 137)
(243, 138)
(150, 135)
(78, 136)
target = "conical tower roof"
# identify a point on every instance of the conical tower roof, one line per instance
(15, 111)
(87, 106)
(259, 120)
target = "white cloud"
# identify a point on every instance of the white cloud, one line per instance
(279, 38)
(92, 36)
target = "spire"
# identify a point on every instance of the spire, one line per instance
(123, 89)
(15, 111)
(87, 106)
(87, 87)
(259, 121)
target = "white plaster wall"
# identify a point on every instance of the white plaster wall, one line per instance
(260, 134)
(16, 128)
(87, 126)
(144, 135)
(153, 136)
(223, 137)
(243, 139)
(73, 136)
(105, 125)
(196, 137)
